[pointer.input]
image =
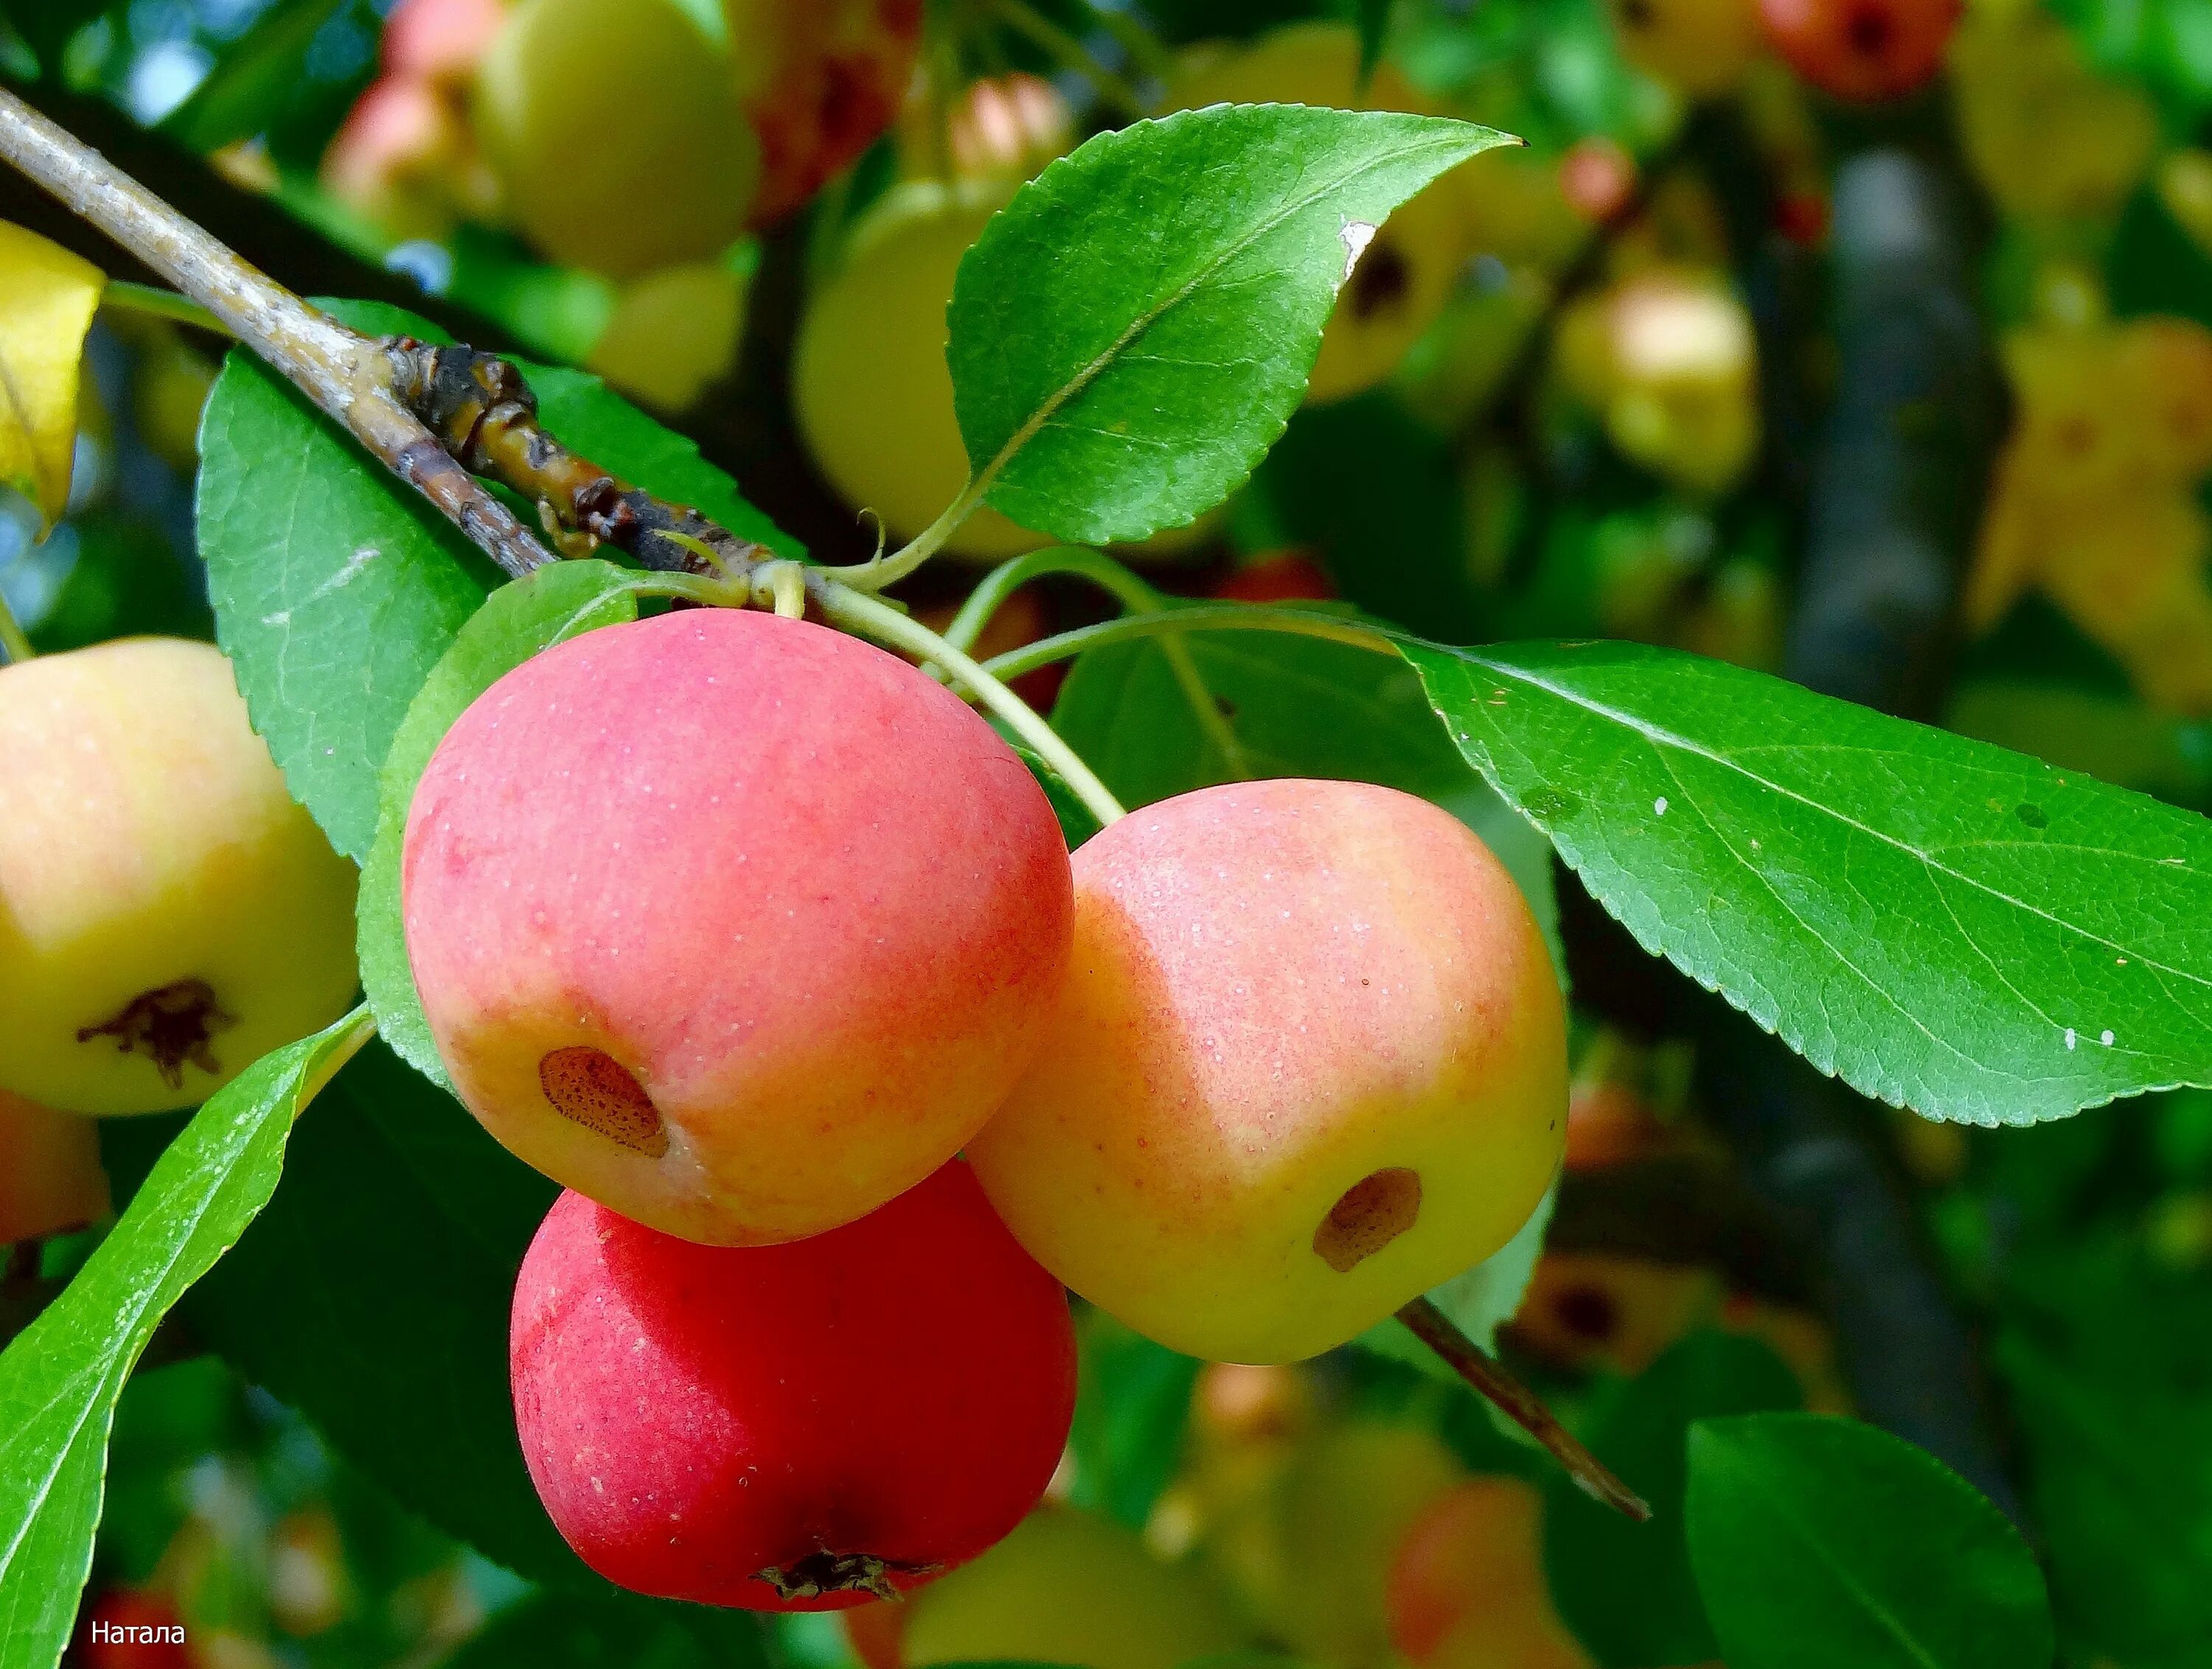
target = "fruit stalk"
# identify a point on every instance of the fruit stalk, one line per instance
(868, 617)
(340, 369)
(1521, 1405)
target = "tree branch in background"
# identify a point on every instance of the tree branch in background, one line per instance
(1896, 492)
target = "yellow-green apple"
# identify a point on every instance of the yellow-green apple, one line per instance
(1310, 1061)
(616, 133)
(1069, 1587)
(167, 913)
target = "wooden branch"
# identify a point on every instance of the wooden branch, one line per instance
(343, 371)
(437, 417)
(484, 413)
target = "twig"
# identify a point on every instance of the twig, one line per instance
(1523, 1407)
(341, 370)
(483, 413)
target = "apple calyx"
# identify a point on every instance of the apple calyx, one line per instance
(824, 1572)
(170, 1025)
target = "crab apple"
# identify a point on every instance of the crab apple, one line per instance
(1069, 1586)
(1310, 1062)
(440, 40)
(1598, 178)
(1861, 50)
(1001, 127)
(734, 923)
(167, 913)
(1405, 272)
(1669, 358)
(1587, 1310)
(1282, 576)
(617, 135)
(672, 334)
(871, 386)
(51, 1180)
(1699, 47)
(1340, 1512)
(1467, 1587)
(790, 1428)
(820, 82)
(405, 160)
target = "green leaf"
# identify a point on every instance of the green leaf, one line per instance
(1945, 925)
(1626, 1588)
(373, 1296)
(1283, 705)
(1131, 1406)
(1372, 19)
(335, 588)
(252, 77)
(2105, 1359)
(519, 620)
(1132, 332)
(614, 1630)
(60, 1379)
(1078, 823)
(1821, 1542)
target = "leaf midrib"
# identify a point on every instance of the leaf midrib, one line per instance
(1658, 736)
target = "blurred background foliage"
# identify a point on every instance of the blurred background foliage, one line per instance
(1662, 394)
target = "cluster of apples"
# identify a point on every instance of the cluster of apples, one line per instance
(766, 946)
(167, 913)
(1862, 51)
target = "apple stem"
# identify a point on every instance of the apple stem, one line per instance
(871, 617)
(1521, 1405)
(1137, 596)
(1333, 625)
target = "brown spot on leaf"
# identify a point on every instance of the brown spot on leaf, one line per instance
(1369, 1215)
(591, 1088)
(171, 1026)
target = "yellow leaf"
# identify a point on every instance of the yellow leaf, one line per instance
(47, 297)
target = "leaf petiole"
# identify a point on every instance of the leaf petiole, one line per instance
(151, 301)
(1204, 617)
